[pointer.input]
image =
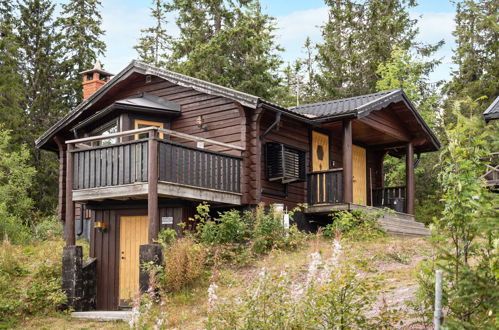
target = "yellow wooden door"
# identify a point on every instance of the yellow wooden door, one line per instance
(359, 175)
(133, 233)
(320, 151)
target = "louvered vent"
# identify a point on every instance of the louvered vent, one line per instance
(284, 163)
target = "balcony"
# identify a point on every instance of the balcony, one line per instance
(125, 167)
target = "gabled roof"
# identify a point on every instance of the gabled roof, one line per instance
(492, 111)
(350, 106)
(313, 114)
(142, 103)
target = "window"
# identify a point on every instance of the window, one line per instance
(106, 129)
(284, 163)
(145, 123)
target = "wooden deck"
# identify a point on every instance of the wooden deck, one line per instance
(121, 171)
(395, 223)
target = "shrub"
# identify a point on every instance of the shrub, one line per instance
(29, 280)
(228, 228)
(49, 228)
(355, 224)
(183, 265)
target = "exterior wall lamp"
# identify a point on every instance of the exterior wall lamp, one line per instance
(100, 226)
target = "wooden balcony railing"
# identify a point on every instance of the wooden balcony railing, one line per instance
(325, 187)
(491, 175)
(391, 197)
(127, 162)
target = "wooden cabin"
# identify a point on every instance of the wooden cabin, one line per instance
(148, 145)
(491, 175)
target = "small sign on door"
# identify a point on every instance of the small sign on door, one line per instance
(167, 220)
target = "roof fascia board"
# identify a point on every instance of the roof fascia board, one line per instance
(286, 112)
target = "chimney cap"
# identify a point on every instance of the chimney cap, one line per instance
(98, 68)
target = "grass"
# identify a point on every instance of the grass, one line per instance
(394, 258)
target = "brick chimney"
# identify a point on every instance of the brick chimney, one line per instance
(94, 79)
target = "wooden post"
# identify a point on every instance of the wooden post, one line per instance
(347, 162)
(152, 198)
(409, 178)
(69, 227)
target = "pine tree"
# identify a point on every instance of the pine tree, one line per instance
(228, 43)
(80, 22)
(154, 43)
(358, 37)
(476, 55)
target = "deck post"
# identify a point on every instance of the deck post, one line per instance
(347, 161)
(69, 226)
(152, 198)
(409, 178)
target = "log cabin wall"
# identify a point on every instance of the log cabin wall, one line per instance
(104, 246)
(295, 134)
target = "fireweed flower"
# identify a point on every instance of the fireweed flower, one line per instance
(212, 296)
(313, 266)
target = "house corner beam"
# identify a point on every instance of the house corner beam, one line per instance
(69, 226)
(152, 198)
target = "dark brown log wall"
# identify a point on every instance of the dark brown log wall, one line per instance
(294, 134)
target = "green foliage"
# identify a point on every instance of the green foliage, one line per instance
(228, 228)
(16, 178)
(466, 234)
(155, 42)
(355, 224)
(477, 70)
(80, 22)
(29, 281)
(238, 39)
(356, 31)
(49, 228)
(166, 237)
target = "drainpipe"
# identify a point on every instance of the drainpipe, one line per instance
(80, 231)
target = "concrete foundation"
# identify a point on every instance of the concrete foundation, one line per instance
(149, 253)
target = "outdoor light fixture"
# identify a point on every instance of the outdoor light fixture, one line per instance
(100, 226)
(200, 123)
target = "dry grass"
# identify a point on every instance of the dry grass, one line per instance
(396, 259)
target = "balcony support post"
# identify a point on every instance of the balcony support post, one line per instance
(152, 198)
(409, 177)
(69, 225)
(347, 162)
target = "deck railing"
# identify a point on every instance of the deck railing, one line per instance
(127, 162)
(492, 171)
(325, 187)
(391, 197)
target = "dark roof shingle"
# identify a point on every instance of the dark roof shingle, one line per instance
(341, 106)
(492, 111)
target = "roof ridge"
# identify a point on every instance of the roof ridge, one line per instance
(344, 99)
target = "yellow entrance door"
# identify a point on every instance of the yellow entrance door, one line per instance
(133, 233)
(359, 175)
(320, 151)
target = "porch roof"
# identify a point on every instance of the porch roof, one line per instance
(492, 111)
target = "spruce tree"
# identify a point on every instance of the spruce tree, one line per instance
(40, 56)
(80, 22)
(11, 83)
(358, 37)
(228, 43)
(154, 44)
(476, 54)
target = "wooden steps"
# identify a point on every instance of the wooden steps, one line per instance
(395, 225)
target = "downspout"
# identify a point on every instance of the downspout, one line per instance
(80, 231)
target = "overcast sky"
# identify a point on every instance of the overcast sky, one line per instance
(296, 19)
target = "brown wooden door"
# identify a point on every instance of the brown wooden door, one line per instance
(133, 233)
(359, 175)
(320, 151)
